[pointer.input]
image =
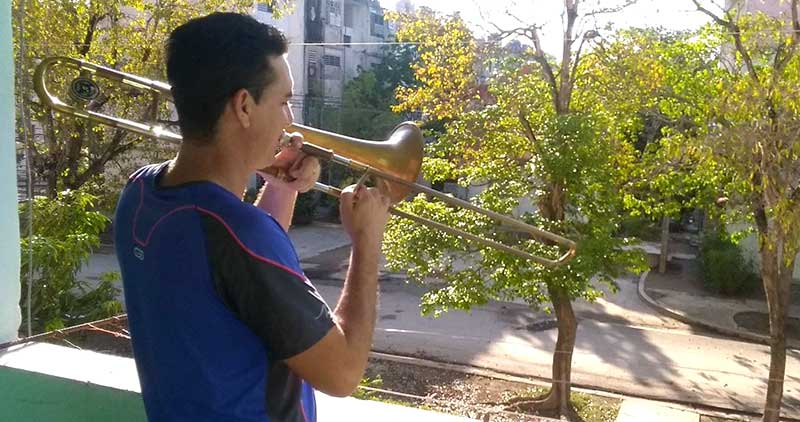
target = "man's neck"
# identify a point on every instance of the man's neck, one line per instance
(207, 163)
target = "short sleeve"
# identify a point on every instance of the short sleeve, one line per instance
(277, 303)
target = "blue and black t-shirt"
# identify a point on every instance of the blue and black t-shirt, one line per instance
(216, 302)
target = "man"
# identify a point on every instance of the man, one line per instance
(225, 326)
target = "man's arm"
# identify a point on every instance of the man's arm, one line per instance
(278, 200)
(336, 364)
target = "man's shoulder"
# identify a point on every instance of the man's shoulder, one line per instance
(251, 228)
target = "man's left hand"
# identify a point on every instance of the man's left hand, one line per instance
(299, 171)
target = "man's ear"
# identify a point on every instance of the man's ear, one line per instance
(242, 104)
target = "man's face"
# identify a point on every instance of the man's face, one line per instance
(272, 114)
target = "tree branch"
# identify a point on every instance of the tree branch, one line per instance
(532, 33)
(736, 33)
(565, 89)
(781, 62)
(574, 71)
(615, 9)
(527, 127)
(83, 49)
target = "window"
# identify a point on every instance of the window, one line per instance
(376, 25)
(330, 60)
(264, 7)
(347, 40)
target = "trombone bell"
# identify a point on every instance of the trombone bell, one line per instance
(399, 156)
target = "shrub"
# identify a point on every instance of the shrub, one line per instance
(641, 228)
(725, 271)
(305, 208)
(65, 232)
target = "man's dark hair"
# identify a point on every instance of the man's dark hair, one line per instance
(211, 58)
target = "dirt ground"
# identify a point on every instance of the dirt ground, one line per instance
(474, 396)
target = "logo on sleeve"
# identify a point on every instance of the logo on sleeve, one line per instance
(138, 253)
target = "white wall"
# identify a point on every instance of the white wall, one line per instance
(9, 220)
(363, 56)
(293, 27)
(749, 248)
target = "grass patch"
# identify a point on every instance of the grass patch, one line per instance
(588, 407)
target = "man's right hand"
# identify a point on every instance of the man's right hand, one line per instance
(364, 212)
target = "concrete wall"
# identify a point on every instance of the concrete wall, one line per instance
(9, 220)
(360, 56)
(293, 26)
(749, 247)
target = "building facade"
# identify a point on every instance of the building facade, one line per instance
(330, 42)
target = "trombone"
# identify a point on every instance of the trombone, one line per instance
(396, 161)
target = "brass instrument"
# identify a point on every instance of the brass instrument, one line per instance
(396, 162)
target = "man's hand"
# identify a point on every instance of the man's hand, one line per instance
(364, 212)
(296, 170)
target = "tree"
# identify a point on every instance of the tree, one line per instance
(656, 87)
(126, 35)
(368, 99)
(446, 71)
(752, 137)
(525, 140)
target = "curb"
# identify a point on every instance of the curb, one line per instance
(686, 319)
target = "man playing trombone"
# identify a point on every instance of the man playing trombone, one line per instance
(224, 324)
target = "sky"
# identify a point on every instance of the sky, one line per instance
(480, 14)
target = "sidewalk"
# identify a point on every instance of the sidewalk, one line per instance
(679, 294)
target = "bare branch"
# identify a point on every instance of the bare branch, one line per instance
(736, 33)
(531, 32)
(574, 71)
(565, 90)
(795, 23)
(83, 49)
(608, 10)
(527, 127)
(783, 56)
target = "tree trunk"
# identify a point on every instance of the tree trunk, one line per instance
(662, 259)
(557, 401)
(776, 274)
(562, 357)
(54, 164)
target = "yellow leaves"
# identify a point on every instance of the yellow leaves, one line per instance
(446, 66)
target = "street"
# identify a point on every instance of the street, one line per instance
(665, 364)
(622, 345)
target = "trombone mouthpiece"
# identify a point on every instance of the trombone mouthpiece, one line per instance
(286, 140)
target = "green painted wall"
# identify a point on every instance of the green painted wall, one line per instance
(9, 222)
(29, 396)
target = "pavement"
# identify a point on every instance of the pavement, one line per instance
(679, 294)
(624, 345)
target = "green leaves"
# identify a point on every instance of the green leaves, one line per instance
(66, 232)
(126, 35)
